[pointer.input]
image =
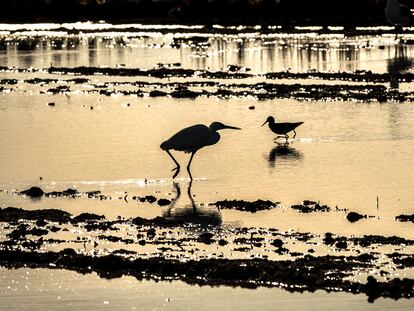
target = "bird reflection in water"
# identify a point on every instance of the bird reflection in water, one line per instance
(283, 152)
(399, 64)
(191, 213)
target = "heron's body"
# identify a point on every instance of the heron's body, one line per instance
(193, 138)
(397, 14)
(282, 128)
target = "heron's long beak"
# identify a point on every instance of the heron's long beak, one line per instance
(265, 122)
(231, 127)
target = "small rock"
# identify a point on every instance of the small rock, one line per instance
(163, 202)
(33, 192)
(341, 244)
(206, 238)
(353, 216)
(222, 242)
(151, 233)
(277, 243)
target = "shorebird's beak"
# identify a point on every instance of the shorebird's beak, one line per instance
(231, 127)
(265, 122)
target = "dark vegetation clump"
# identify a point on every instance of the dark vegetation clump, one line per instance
(13, 214)
(302, 274)
(33, 192)
(311, 206)
(405, 218)
(246, 206)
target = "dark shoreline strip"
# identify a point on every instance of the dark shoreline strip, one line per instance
(163, 72)
(306, 274)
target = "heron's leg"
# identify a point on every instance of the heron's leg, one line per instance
(295, 133)
(176, 169)
(189, 163)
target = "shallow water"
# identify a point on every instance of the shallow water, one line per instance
(345, 154)
(352, 155)
(66, 290)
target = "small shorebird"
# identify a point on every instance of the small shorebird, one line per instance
(193, 138)
(282, 128)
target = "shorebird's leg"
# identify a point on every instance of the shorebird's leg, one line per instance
(189, 163)
(295, 134)
(176, 169)
(287, 137)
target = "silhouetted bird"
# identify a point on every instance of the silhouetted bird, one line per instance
(282, 128)
(193, 138)
(398, 14)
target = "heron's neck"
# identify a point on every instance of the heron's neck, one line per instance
(214, 137)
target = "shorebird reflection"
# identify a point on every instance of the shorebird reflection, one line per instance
(400, 63)
(191, 213)
(282, 151)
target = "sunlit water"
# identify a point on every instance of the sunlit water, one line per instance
(57, 288)
(357, 156)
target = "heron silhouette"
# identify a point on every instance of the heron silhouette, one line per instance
(282, 128)
(193, 138)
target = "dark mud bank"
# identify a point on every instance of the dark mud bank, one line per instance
(210, 88)
(30, 233)
(165, 71)
(306, 274)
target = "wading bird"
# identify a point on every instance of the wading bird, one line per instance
(398, 14)
(282, 128)
(193, 138)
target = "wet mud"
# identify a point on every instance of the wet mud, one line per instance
(402, 260)
(305, 274)
(309, 206)
(357, 76)
(30, 236)
(246, 206)
(405, 218)
(261, 91)
(164, 71)
(37, 192)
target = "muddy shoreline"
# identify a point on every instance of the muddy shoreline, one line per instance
(31, 234)
(307, 274)
(163, 71)
(372, 91)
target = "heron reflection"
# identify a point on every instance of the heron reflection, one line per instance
(191, 212)
(283, 152)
